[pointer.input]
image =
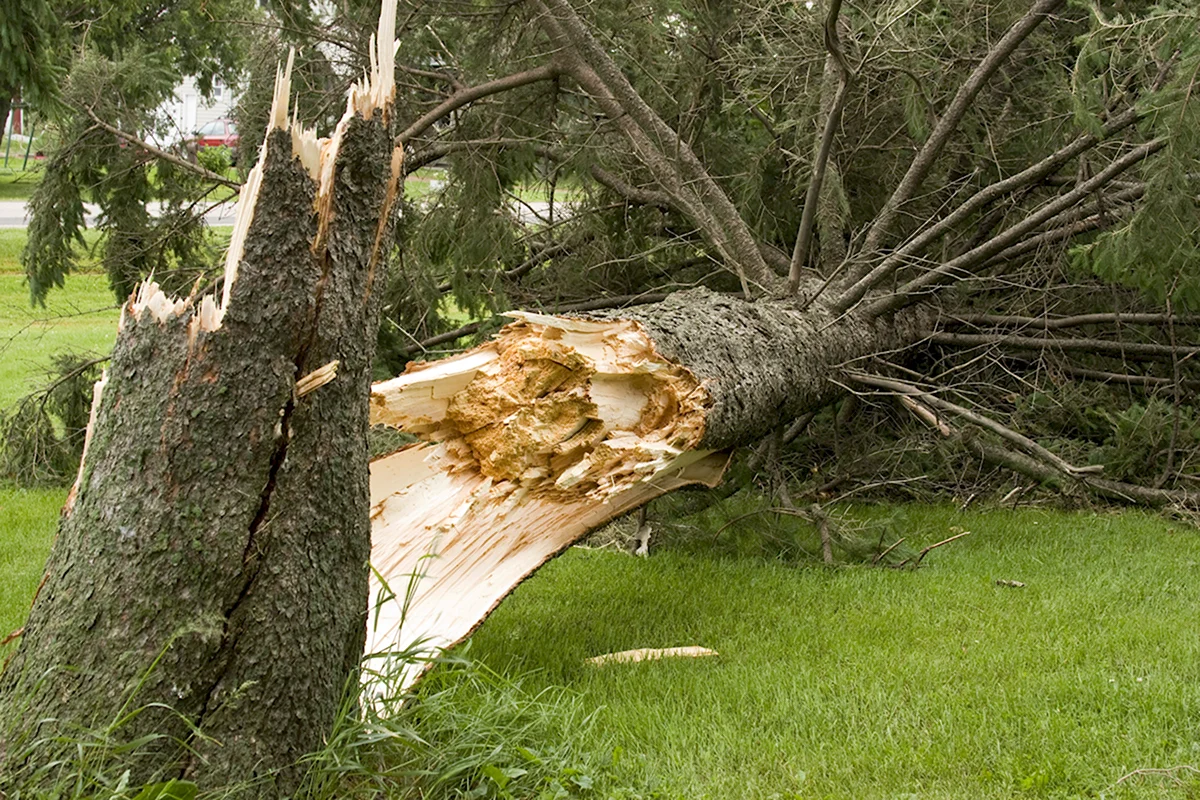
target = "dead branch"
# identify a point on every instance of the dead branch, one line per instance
(1131, 350)
(1046, 474)
(650, 654)
(909, 390)
(881, 554)
(634, 194)
(925, 552)
(1132, 380)
(1074, 321)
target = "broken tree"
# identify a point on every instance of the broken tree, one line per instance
(562, 422)
(207, 589)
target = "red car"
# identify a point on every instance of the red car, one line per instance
(219, 132)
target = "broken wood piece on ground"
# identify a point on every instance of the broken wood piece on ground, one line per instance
(531, 440)
(650, 654)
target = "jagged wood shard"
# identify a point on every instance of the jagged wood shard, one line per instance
(532, 440)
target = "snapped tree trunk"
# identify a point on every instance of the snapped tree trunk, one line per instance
(559, 424)
(208, 584)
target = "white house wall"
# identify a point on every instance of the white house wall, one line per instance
(189, 110)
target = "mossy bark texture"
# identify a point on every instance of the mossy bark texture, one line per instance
(209, 582)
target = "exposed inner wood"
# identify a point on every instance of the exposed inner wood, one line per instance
(530, 441)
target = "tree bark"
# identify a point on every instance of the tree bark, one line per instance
(561, 423)
(208, 583)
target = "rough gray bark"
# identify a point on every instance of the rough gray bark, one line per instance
(767, 362)
(210, 573)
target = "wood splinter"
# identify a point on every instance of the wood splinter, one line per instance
(317, 378)
(650, 654)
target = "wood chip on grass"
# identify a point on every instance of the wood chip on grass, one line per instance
(650, 654)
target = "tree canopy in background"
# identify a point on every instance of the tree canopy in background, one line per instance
(1062, 184)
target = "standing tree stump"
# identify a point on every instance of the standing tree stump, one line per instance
(208, 585)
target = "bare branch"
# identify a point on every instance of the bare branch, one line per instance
(1079, 320)
(956, 267)
(1047, 472)
(634, 194)
(832, 119)
(681, 174)
(925, 158)
(1130, 350)
(1004, 432)
(1131, 380)
(927, 236)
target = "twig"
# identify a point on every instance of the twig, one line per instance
(925, 552)
(891, 547)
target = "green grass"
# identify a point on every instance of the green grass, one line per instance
(29, 519)
(83, 318)
(863, 682)
(15, 183)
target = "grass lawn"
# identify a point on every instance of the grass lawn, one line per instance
(861, 682)
(15, 183)
(853, 682)
(81, 318)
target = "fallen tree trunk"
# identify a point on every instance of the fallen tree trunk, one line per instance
(559, 424)
(202, 611)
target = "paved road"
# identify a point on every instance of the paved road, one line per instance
(13, 214)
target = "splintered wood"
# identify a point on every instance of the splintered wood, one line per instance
(530, 441)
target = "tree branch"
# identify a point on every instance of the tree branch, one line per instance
(1076, 321)
(833, 118)
(473, 93)
(681, 174)
(164, 155)
(1130, 380)
(1010, 236)
(1046, 471)
(925, 158)
(928, 235)
(1004, 432)
(1132, 350)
